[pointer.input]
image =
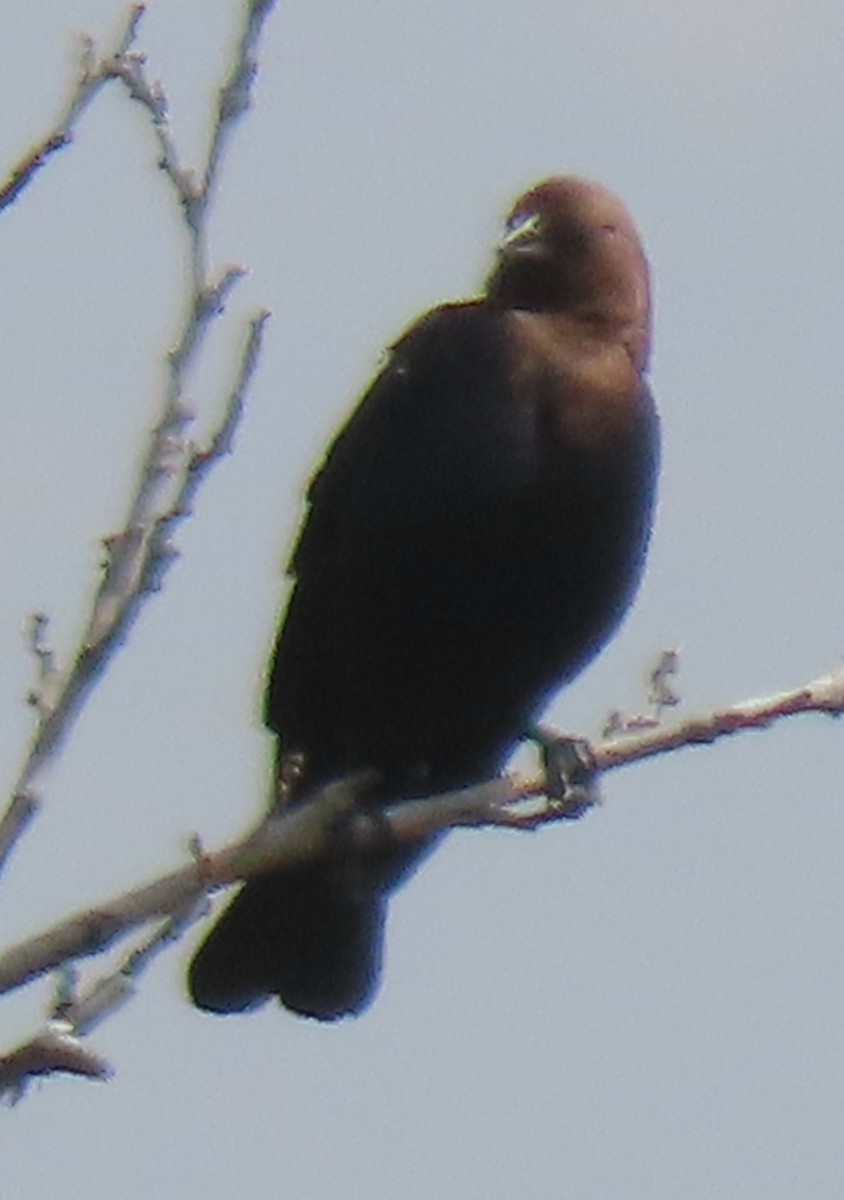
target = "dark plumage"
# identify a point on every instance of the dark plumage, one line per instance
(473, 537)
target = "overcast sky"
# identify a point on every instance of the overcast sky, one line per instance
(647, 1004)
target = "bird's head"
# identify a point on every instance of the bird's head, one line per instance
(570, 246)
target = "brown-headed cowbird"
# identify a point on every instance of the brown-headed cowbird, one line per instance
(473, 537)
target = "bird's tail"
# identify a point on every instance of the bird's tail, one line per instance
(312, 936)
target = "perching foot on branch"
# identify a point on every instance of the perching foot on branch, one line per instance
(571, 776)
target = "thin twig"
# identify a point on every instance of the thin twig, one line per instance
(55, 1050)
(661, 695)
(91, 78)
(822, 695)
(57, 1047)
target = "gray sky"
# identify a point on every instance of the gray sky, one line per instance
(645, 1005)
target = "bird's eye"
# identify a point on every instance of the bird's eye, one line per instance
(520, 231)
(522, 224)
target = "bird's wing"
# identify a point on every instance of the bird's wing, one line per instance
(414, 436)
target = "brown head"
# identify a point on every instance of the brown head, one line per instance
(570, 246)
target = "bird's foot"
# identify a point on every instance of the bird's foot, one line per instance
(571, 776)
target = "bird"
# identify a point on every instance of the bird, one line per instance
(473, 537)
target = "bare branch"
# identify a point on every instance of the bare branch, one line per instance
(56, 1050)
(91, 77)
(235, 96)
(22, 809)
(822, 695)
(172, 468)
(58, 1047)
(297, 835)
(289, 838)
(281, 841)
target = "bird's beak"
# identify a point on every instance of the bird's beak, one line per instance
(522, 236)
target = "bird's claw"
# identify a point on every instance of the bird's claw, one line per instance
(571, 776)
